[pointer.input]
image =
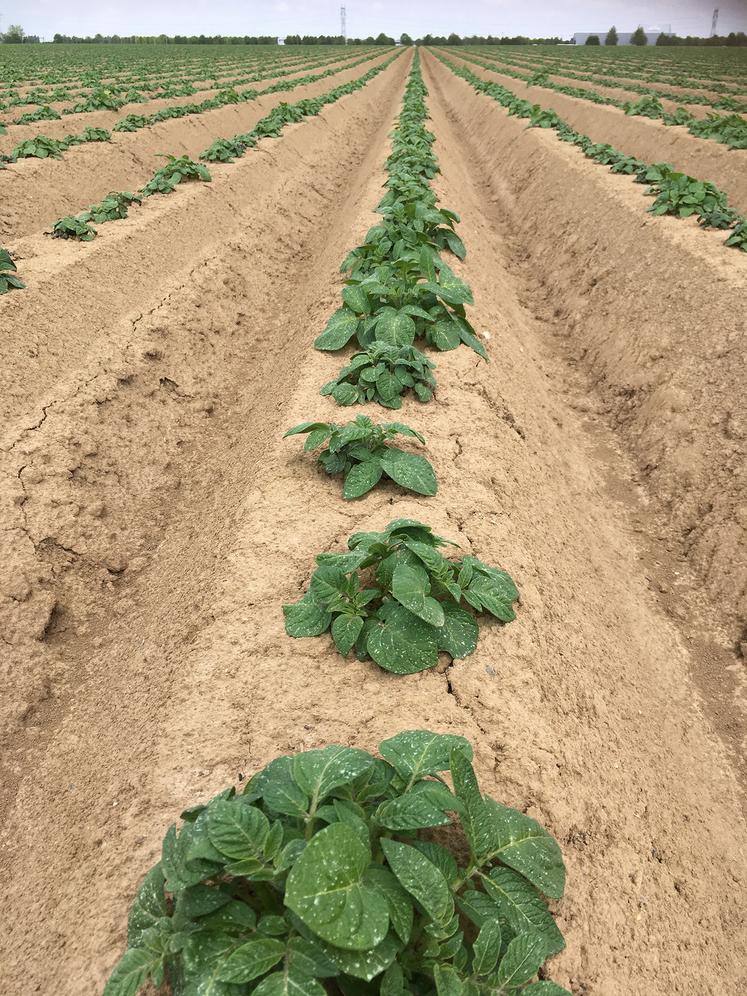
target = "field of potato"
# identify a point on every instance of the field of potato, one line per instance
(373, 520)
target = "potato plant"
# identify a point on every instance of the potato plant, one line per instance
(8, 269)
(330, 873)
(88, 135)
(382, 373)
(40, 147)
(394, 598)
(176, 171)
(361, 452)
(74, 227)
(44, 113)
(113, 207)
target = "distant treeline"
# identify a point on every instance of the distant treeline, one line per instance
(16, 34)
(485, 40)
(738, 38)
(165, 40)
(382, 39)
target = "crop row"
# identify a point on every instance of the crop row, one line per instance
(323, 875)
(674, 193)
(728, 129)
(685, 69)
(138, 88)
(545, 69)
(42, 147)
(115, 206)
(92, 66)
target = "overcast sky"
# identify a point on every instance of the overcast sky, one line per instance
(369, 17)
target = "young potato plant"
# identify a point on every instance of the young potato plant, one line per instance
(113, 207)
(131, 122)
(394, 598)
(8, 269)
(382, 373)
(74, 227)
(731, 129)
(738, 237)
(338, 873)
(360, 451)
(40, 147)
(176, 170)
(682, 195)
(226, 150)
(44, 113)
(89, 135)
(398, 288)
(100, 99)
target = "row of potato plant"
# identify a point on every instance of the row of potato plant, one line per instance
(544, 70)
(675, 192)
(212, 73)
(623, 67)
(336, 871)
(42, 147)
(112, 97)
(728, 129)
(394, 598)
(179, 169)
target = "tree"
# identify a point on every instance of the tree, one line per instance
(592, 40)
(382, 39)
(14, 35)
(611, 38)
(405, 40)
(664, 39)
(639, 37)
(453, 39)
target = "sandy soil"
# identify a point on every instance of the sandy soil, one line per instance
(45, 190)
(156, 522)
(650, 140)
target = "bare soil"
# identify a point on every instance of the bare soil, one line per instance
(155, 521)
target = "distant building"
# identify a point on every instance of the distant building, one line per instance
(623, 37)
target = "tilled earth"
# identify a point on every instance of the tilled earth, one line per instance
(154, 521)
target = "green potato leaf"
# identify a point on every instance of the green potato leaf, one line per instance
(420, 877)
(409, 471)
(326, 889)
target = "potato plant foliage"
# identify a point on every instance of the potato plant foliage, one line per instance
(360, 451)
(318, 879)
(176, 171)
(394, 598)
(398, 287)
(382, 373)
(8, 269)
